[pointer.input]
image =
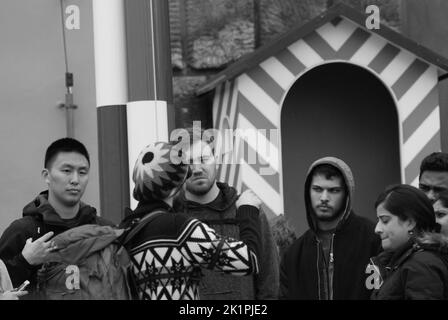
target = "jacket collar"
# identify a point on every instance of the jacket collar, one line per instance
(428, 241)
(226, 198)
(389, 261)
(143, 208)
(42, 209)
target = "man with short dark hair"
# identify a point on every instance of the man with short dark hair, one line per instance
(25, 244)
(433, 177)
(329, 260)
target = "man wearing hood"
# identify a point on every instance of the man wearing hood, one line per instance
(26, 243)
(214, 203)
(329, 260)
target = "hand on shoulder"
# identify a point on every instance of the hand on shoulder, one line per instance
(248, 197)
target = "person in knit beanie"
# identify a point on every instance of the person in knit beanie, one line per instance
(168, 252)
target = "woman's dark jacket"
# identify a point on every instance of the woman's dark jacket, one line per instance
(418, 270)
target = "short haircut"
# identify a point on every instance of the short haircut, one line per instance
(329, 172)
(443, 198)
(64, 145)
(406, 202)
(436, 161)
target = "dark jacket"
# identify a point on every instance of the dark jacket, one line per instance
(418, 270)
(38, 218)
(220, 215)
(353, 243)
(169, 252)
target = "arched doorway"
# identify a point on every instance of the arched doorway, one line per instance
(341, 110)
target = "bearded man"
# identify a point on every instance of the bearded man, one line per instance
(214, 203)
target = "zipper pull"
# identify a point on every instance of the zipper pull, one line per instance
(38, 230)
(331, 249)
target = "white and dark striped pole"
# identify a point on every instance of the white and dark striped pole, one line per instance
(150, 111)
(111, 98)
(134, 91)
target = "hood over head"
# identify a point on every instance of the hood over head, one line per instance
(349, 182)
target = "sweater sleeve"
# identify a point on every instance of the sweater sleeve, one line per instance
(284, 281)
(210, 250)
(250, 227)
(11, 244)
(267, 280)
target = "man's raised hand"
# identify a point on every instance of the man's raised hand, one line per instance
(36, 251)
(248, 197)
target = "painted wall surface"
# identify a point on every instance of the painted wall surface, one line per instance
(31, 87)
(426, 22)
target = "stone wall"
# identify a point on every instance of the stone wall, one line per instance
(209, 35)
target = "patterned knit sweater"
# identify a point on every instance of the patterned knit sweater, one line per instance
(168, 252)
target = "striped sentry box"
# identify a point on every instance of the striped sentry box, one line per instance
(254, 98)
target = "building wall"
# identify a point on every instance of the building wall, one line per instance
(426, 23)
(257, 99)
(31, 87)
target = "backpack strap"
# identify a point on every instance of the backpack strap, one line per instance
(141, 224)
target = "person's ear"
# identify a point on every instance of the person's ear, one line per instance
(410, 224)
(46, 175)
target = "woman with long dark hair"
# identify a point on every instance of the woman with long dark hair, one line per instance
(414, 263)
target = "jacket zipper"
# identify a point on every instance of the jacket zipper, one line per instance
(317, 267)
(331, 269)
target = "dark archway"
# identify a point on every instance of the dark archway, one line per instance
(341, 110)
